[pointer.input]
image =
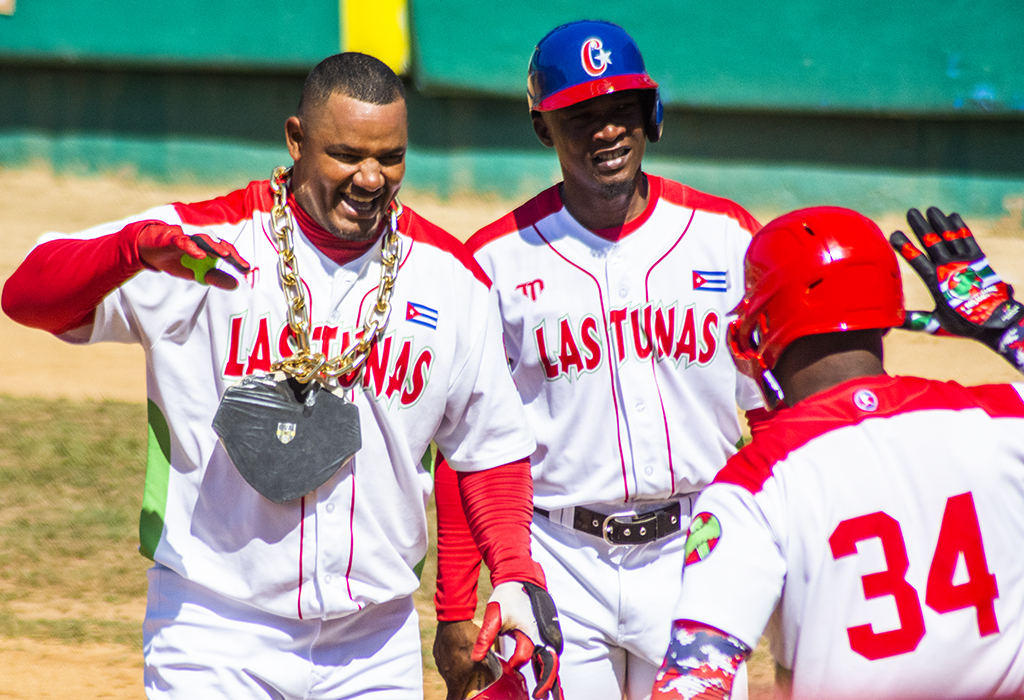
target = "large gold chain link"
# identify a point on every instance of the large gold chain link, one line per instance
(305, 365)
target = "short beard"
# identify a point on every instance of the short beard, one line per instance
(616, 190)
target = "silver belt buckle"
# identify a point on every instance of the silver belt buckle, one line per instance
(606, 529)
(640, 521)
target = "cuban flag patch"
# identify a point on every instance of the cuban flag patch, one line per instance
(421, 314)
(711, 280)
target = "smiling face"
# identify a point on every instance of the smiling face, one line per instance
(600, 143)
(349, 163)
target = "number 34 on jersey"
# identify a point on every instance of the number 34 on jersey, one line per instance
(958, 576)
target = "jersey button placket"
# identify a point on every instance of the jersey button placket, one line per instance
(329, 556)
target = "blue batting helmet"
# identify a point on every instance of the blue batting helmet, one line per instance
(585, 59)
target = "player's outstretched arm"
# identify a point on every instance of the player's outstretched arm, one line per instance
(458, 570)
(59, 285)
(971, 300)
(701, 662)
(499, 509)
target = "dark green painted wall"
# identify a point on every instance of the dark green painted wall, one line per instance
(225, 33)
(228, 127)
(868, 56)
(877, 106)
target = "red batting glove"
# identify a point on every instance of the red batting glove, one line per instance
(526, 611)
(166, 248)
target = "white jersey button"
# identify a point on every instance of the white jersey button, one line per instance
(330, 507)
(327, 578)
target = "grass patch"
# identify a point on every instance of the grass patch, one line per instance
(71, 479)
(74, 631)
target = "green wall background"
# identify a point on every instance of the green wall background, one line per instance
(224, 34)
(871, 56)
(876, 106)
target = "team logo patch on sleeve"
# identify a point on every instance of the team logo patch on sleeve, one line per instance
(702, 538)
(711, 280)
(421, 314)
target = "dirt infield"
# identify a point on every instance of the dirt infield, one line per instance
(39, 365)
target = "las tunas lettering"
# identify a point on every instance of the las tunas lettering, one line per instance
(390, 371)
(634, 334)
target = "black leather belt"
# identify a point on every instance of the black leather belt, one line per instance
(625, 529)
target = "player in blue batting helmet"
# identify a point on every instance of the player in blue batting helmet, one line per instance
(586, 59)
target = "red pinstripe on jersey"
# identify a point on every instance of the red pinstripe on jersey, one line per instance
(611, 372)
(654, 355)
(835, 408)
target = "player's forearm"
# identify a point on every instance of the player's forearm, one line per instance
(701, 663)
(458, 560)
(499, 508)
(59, 285)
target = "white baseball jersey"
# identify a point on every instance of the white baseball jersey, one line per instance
(437, 374)
(882, 522)
(617, 344)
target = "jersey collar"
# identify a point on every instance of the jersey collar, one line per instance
(338, 250)
(617, 233)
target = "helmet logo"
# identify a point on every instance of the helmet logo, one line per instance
(594, 58)
(866, 400)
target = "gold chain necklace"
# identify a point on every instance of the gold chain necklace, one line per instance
(304, 365)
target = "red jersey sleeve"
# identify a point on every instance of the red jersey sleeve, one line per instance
(59, 285)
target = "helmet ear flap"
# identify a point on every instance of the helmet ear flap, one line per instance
(655, 116)
(744, 339)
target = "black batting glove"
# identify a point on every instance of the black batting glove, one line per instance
(971, 300)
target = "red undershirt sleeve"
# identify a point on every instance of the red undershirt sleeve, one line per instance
(458, 560)
(499, 508)
(59, 285)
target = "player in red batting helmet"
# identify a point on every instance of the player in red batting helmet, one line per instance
(930, 469)
(496, 679)
(799, 271)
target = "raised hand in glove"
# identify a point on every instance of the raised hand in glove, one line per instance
(167, 248)
(526, 611)
(971, 300)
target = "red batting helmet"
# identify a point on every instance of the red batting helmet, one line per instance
(585, 59)
(817, 270)
(495, 679)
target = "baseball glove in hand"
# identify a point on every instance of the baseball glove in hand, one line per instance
(971, 300)
(526, 611)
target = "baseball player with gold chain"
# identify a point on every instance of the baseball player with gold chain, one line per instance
(614, 288)
(256, 591)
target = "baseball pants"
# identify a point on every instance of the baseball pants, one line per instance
(198, 644)
(616, 604)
